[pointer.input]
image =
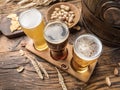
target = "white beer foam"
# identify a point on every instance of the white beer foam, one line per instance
(30, 18)
(56, 32)
(88, 47)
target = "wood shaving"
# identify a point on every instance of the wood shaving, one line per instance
(14, 22)
(20, 69)
(116, 72)
(61, 80)
(108, 82)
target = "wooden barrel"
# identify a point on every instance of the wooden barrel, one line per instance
(102, 18)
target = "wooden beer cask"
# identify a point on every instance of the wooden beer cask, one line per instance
(102, 18)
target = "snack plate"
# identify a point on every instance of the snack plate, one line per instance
(72, 7)
(64, 65)
(5, 28)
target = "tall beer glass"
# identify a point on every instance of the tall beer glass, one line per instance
(87, 49)
(32, 24)
(56, 34)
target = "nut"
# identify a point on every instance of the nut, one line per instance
(57, 9)
(108, 82)
(77, 27)
(119, 64)
(63, 13)
(67, 8)
(62, 6)
(71, 12)
(20, 69)
(116, 72)
(70, 20)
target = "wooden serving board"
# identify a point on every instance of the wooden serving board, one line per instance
(65, 65)
(5, 28)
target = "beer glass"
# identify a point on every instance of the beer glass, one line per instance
(56, 35)
(87, 49)
(33, 25)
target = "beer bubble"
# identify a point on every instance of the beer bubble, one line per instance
(88, 46)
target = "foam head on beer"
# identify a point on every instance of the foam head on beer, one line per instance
(88, 47)
(56, 32)
(30, 18)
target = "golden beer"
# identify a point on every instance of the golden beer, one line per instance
(87, 49)
(33, 25)
(56, 35)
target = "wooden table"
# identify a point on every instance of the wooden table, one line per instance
(10, 59)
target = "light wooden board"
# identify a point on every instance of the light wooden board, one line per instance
(65, 65)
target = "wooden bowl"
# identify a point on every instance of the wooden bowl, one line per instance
(72, 8)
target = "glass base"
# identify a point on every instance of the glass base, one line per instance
(82, 70)
(41, 47)
(78, 68)
(59, 55)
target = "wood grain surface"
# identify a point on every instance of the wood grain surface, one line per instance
(10, 60)
(59, 63)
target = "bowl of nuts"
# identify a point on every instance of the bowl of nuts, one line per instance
(63, 11)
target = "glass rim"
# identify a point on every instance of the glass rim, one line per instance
(27, 11)
(92, 57)
(63, 24)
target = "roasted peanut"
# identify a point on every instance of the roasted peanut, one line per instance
(70, 19)
(62, 6)
(67, 8)
(63, 13)
(57, 9)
